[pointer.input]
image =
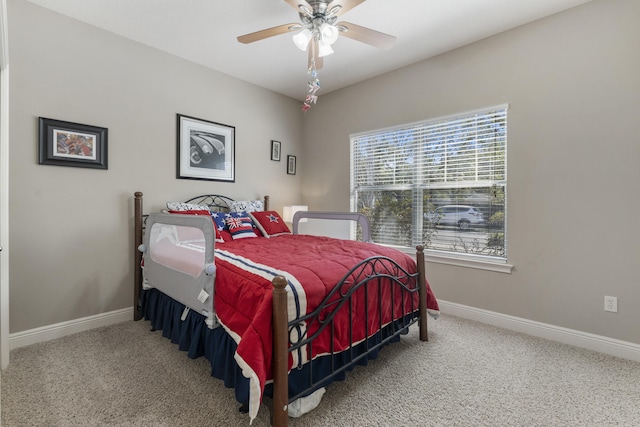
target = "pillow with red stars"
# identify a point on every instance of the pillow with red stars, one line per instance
(270, 223)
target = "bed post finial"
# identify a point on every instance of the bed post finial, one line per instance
(280, 353)
(422, 293)
(266, 203)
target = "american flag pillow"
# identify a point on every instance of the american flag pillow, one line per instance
(240, 228)
(269, 223)
(220, 218)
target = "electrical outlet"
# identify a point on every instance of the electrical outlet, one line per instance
(611, 304)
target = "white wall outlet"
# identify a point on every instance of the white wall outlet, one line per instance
(611, 304)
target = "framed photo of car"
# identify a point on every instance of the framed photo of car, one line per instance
(206, 150)
(71, 144)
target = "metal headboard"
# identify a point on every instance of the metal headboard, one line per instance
(215, 202)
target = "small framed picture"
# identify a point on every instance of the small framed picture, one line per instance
(71, 144)
(275, 150)
(206, 150)
(291, 165)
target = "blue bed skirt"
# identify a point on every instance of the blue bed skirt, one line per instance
(194, 337)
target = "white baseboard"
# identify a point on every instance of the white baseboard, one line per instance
(614, 347)
(47, 333)
(611, 346)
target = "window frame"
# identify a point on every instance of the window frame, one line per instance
(481, 261)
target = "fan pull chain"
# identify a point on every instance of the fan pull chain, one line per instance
(313, 85)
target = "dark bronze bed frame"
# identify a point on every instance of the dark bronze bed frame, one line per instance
(283, 343)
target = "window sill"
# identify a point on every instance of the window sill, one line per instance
(468, 261)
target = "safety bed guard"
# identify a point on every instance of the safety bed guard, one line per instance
(178, 260)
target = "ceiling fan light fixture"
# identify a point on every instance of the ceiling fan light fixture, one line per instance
(302, 39)
(324, 49)
(329, 33)
(316, 33)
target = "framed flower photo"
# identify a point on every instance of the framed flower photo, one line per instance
(64, 143)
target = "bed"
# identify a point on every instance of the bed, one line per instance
(281, 315)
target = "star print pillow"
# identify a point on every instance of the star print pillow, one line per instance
(269, 223)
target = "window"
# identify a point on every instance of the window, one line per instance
(439, 183)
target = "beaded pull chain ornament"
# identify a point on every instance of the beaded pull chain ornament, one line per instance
(313, 85)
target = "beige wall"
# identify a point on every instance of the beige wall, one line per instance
(573, 160)
(71, 230)
(571, 82)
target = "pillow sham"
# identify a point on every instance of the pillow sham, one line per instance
(181, 206)
(240, 228)
(225, 236)
(206, 212)
(246, 206)
(270, 223)
(191, 212)
(220, 218)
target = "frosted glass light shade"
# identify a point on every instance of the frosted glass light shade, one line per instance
(324, 49)
(302, 38)
(329, 33)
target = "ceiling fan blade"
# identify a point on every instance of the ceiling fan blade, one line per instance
(269, 32)
(346, 5)
(366, 35)
(313, 55)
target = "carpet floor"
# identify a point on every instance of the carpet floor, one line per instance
(468, 374)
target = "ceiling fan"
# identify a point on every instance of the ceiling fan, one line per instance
(318, 29)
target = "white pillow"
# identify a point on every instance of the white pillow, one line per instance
(246, 206)
(181, 206)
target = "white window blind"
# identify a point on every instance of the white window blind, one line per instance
(439, 183)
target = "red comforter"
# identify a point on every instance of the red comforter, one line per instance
(312, 265)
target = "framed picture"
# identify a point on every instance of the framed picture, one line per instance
(206, 150)
(291, 165)
(275, 150)
(71, 144)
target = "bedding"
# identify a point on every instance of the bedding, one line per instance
(269, 223)
(223, 219)
(312, 266)
(365, 294)
(246, 205)
(245, 270)
(186, 207)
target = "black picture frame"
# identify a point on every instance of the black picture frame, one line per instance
(291, 165)
(276, 149)
(63, 143)
(206, 150)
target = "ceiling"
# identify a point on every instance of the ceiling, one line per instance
(205, 31)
